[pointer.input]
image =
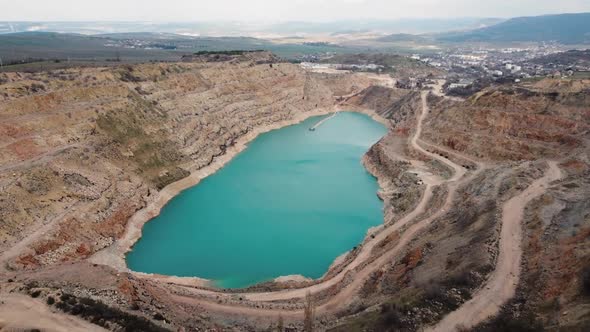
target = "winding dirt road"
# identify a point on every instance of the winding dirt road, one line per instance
(359, 276)
(501, 286)
(458, 170)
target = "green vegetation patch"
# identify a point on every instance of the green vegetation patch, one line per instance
(390, 316)
(100, 314)
(155, 156)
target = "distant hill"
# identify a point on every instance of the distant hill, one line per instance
(136, 46)
(564, 28)
(403, 37)
(144, 36)
(51, 45)
(398, 26)
(410, 25)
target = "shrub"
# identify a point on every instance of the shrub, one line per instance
(508, 323)
(103, 315)
(437, 293)
(461, 279)
(390, 316)
(31, 284)
(134, 306)
(36, 87)
(126, 74)
(50, 300)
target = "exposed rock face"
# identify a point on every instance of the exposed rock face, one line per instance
(385, 101)
(521, 123)
(400, 188)
(90, 146)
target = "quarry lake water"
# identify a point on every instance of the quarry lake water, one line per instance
(291, 203)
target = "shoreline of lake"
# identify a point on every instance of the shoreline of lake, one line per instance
(115, 255)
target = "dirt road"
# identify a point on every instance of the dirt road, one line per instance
(459, 171)
(345, 295)
(501, 286)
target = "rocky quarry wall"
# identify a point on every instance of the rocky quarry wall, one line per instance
(83, 149)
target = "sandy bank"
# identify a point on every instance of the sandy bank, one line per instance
(294, 277)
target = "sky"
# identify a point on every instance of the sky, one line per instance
(275, 10)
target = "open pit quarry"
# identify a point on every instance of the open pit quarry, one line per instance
(486, 201)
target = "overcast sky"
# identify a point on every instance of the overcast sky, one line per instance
(275, 10)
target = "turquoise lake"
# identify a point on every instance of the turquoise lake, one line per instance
(290, 203)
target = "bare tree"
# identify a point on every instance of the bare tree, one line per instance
(308, 313)
(281, 324)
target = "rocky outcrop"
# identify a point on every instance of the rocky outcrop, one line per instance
(514, 123)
